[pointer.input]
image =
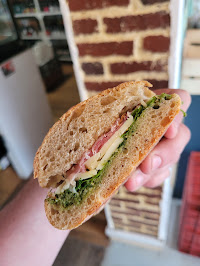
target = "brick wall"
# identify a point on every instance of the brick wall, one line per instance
(121, 40)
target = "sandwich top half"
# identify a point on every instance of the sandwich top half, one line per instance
(80, 146)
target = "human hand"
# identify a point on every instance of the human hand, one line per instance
(155, 168)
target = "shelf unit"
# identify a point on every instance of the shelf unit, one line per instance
(37, 14)
(39, 38)
(42, 15)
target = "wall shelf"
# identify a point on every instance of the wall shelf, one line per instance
(40, 20)
(37, 14)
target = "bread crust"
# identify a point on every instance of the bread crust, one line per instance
(38, 171)
(60, 220)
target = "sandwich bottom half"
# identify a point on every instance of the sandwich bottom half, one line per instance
(142, 136)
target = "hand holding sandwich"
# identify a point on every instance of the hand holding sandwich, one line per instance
(155, 168)
(95, 146)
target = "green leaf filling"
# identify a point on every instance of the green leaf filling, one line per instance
(184, 113)
(84, 187)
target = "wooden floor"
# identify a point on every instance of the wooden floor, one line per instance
(79, 253)
(10, 183)
(92, 231)
(65, 96)
(86, 245)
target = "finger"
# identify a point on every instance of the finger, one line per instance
(172, 130)
(167, 151)
(157, 179)
(136, 180)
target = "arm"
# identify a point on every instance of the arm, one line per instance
(155, 168)
(26, 236)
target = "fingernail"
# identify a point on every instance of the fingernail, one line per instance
(156, 162)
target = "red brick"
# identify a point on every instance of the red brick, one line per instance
(95, 86)
(85, 26)
(104, 49)
(78, 5)
(95, 68)
(125, 68)
(158, 84)
(156, 43)
(139, 22)
(151, 2)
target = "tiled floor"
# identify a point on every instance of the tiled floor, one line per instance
(121, 254)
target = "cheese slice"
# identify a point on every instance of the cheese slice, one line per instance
(93, 162)
(65, 185)
(109, 152)
(86, 175)
(98, 160)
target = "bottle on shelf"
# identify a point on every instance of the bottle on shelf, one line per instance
(29, 27)
(54, 27)
(49, 6)
(23, 6)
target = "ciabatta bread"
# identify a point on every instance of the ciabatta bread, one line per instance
(79, 128)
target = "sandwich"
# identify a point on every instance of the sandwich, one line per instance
(93, 148)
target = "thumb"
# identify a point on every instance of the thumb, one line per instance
(167, 151)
